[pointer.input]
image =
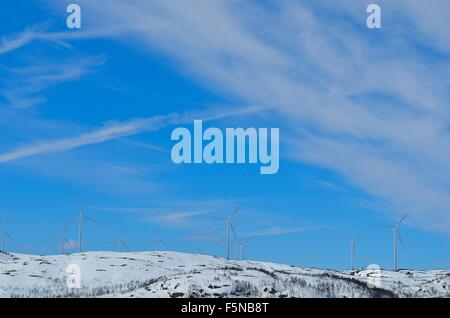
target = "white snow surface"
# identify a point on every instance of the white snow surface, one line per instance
(173, 274)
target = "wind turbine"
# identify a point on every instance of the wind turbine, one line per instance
(229, 228)
(5, 235)
(396, 234)
(242, 247)
(236, 244)
(239, 246)
(82, 217)
(62, 238)
(120, 243)
(352, 240)
(157, 240)
(236, 247)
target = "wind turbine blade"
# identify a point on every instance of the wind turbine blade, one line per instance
(217, 217)
(90, 219)
(66, 228)
(9, 236)
(345, 237)
(161, 241)
(234, 212)
(403, 218)
(400, 238)
(232, 231)
(384, 226)
(124, 245)
(68, 224)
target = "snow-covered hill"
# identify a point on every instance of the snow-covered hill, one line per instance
(170, 274)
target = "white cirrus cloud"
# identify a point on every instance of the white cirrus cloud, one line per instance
(369, 104)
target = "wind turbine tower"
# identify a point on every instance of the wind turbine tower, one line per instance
(352, 241)
(158, 240)
(63, 239)
(242, 250)
(5, 235)
(120, 243)
(396, 233)
(230, 229)
(82, 217)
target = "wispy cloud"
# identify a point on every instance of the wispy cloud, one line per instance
(356, 102)
(13, 42)
(179, 213)
(121, 209)
(326, 184)
(211, 204)
(176, 218)
(143, 145)
(21, 87)
(124, 169)
(115, 130)
(110, 131)
(277, 230)
(345, 97)
(40, 32)
(204, 238)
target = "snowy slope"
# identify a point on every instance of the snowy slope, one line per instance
(170, 274)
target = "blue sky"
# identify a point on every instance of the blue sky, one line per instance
(86, 116)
